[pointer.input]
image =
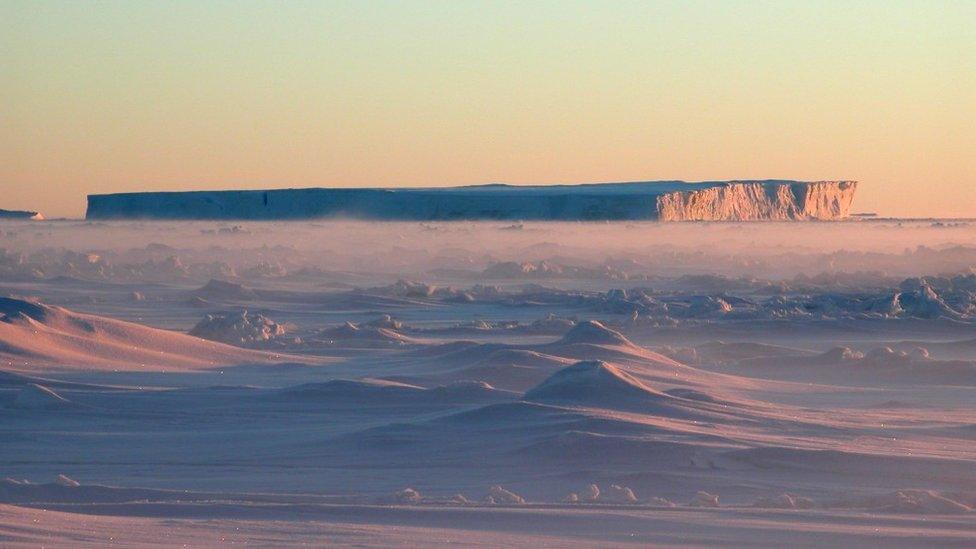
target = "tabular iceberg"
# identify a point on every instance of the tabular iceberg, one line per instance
(655, 200)
(20, 214)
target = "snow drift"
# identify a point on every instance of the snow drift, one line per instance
(598, 384)
(593, 382)
(34, 336)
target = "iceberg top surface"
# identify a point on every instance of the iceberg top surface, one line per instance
(626, 187)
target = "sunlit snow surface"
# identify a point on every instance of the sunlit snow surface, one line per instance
(497, 383)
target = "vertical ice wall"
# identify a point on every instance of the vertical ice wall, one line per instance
(745, 201)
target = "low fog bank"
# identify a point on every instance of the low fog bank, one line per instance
(854, 254)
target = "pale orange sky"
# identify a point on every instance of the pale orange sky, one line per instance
(129, 96)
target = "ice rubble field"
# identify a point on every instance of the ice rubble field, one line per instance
(487, 383)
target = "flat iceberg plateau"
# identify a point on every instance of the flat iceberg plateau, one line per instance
(656, 200)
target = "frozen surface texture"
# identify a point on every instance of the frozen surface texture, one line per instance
(663, 200)
(487, 384)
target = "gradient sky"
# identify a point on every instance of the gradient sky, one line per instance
(126, 96)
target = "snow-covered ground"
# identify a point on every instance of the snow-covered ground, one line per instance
(487, 383)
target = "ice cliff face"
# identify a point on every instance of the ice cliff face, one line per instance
(663, 200)
(743, 201)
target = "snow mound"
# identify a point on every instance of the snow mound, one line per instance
(592, 340)
(594, 333)
(408, 496)
(500, 496)
(598, 384)
(592, 378)
(224, 290)
(241, 329)
(34, 335)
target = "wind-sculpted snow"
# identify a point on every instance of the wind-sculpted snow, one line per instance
(502, 384)
(35, 336)
(599, 384)
(663, 200)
